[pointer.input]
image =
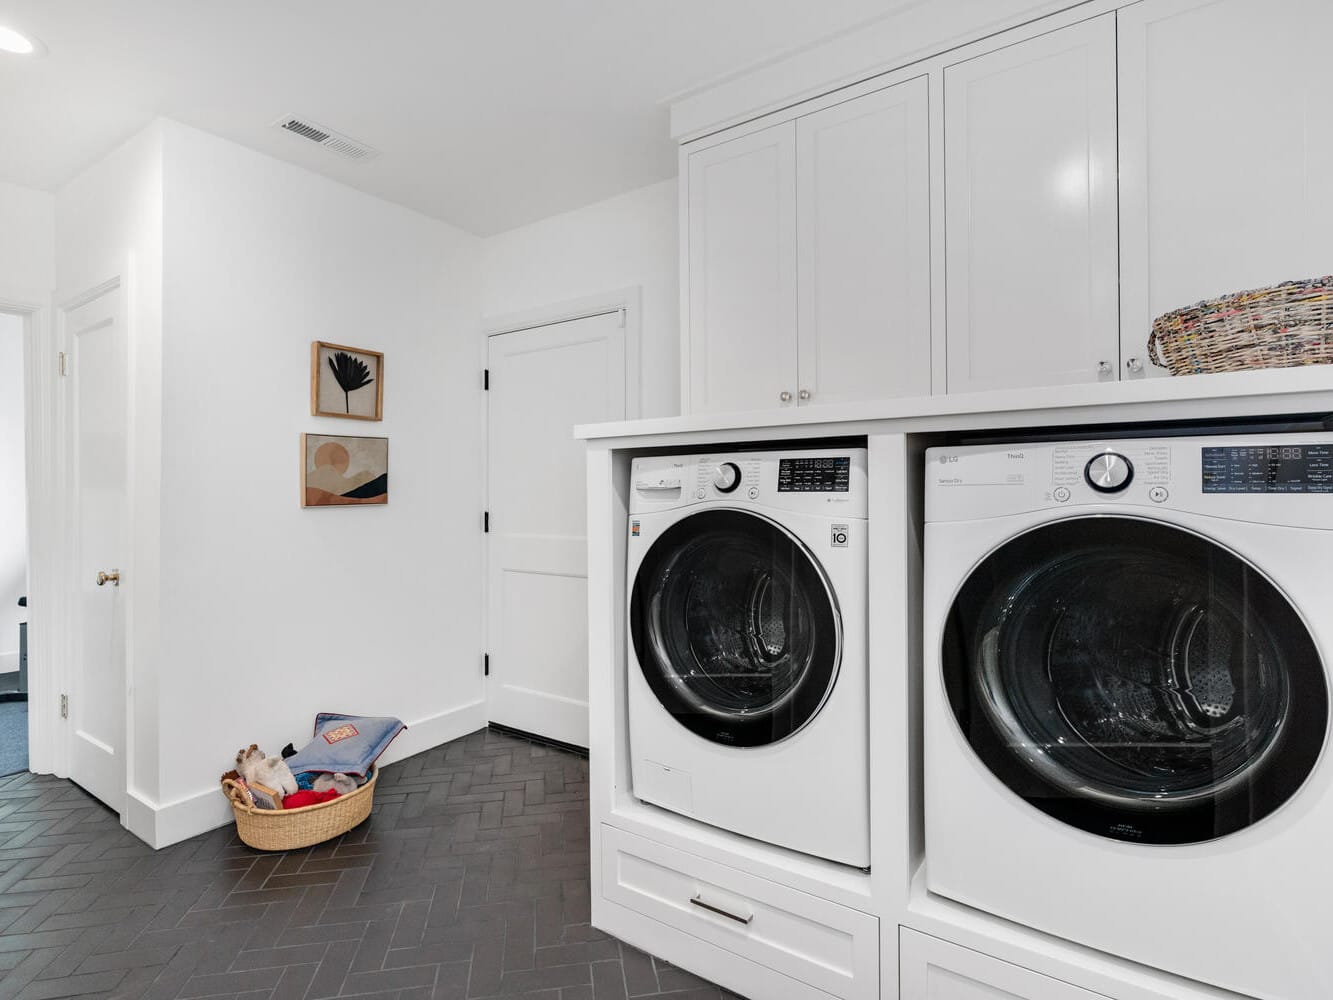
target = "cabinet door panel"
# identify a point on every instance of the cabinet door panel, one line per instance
(1226, 152)
(933, 969)
(1030, 209)
(742, 268)
(863, 226)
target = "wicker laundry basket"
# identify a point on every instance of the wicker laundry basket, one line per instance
(1279, 327)
(289, 829)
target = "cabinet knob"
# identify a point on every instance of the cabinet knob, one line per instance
(1105, 369)
(1134, 365)
(785, 396)
(804, 394)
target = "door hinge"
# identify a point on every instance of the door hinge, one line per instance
(486, 521)
(486, 664)
(486, 379)
(64, 706)
(62, 363)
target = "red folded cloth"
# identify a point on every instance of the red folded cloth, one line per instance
(298, 799)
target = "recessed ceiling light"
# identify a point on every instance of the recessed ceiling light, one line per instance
(18, 43)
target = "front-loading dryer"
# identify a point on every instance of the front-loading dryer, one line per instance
(1127, 699)
(747, 660)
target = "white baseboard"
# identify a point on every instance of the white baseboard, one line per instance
(162, 825)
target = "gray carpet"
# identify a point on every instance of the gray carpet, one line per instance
(13, 737)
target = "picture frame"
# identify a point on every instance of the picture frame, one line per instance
(346, 382)
(339, 470)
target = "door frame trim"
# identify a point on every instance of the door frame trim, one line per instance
(628, 300)
(41, 418)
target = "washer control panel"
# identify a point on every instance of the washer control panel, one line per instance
(828, 481)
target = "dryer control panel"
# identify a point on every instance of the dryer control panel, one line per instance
(1266, 478)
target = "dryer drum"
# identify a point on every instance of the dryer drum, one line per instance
(735, 628)
(1135, 680)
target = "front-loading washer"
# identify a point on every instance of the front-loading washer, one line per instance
(747, 661)
(1127, 699)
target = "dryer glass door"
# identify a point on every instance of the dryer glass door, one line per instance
(735, 627)
(1135, 680)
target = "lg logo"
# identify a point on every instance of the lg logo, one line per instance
(948, 459)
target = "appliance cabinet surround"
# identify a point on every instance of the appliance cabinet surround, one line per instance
(1012, 213)
(809, 258)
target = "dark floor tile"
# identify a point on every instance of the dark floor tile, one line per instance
(470, 880)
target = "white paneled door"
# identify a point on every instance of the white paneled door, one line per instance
(1030, 212)
(99, 468)
(544, 381)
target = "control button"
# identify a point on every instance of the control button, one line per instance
(1061, 494)
(727, 477)
(700, 493)
(1109, 472)
(1158, 494)
(754, 492)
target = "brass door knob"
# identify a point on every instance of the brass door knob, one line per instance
(103, 577)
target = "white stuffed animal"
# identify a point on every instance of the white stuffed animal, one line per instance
(256, 768)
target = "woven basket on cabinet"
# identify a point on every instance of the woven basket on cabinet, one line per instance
(289, 829)
(1279, 327)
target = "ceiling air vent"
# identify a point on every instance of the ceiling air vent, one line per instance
(333, 141)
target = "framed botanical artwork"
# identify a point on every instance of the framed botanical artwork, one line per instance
(346, 382)
(341, 471)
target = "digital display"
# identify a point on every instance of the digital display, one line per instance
(1281, 469)
(814, 475)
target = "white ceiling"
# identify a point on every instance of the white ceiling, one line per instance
(488, 113)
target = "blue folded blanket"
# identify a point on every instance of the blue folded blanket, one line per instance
(346, 743)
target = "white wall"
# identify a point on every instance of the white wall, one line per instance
(13, 506)
(271, 613)
(27, 242)
(627, 241)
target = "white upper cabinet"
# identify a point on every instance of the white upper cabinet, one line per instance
(808, 258)
(741, 249)
(1030, 210)
(1226, 147)
(863, 237)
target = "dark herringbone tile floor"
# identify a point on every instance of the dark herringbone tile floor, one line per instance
(469, 880)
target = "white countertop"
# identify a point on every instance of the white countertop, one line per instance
(1240, 395)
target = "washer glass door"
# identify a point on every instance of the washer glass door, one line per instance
(1135, 680)
(735, 627)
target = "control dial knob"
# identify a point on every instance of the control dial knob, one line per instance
(1109, 472)
(727, 477)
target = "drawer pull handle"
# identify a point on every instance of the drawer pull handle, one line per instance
(697, 901)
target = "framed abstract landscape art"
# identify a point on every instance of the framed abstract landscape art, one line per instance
(341, 471)
(346, 382)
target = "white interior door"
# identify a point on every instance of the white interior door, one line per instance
(543, 381)
(99, 471)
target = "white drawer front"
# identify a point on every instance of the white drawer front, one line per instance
(813, 941)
